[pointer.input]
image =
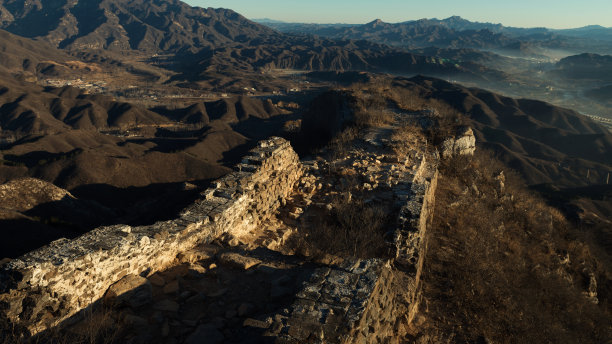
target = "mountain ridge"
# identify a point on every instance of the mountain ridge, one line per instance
(148, 26)
(455, 32)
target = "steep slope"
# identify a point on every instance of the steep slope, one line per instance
(22, 54)
(545, 143)
(144, 25)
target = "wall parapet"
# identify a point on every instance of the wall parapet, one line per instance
(47, 286)
(417, 197)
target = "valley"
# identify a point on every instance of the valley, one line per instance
(177, 174)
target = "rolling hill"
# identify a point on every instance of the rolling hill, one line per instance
(30, 109)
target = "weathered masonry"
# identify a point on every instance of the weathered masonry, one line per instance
(46, 286)
(352, 302)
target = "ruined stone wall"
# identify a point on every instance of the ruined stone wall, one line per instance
(351, 303)
(355, 303)
(417, 197)
(409, 239)
(377, 325)
(46, 286)
(343, 304)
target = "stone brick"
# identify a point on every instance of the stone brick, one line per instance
(131, 290)
(238, 261)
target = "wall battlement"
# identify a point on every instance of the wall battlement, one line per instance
(47, 286)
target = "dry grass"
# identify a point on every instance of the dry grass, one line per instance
(373, 100)
(351, 229)
(505, 267)
(370, 105)
(373, 104)
(368, 118)
(342, 143)
(406, 139)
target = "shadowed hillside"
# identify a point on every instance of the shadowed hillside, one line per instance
(151, 26)
(585, 67)
(544, 142)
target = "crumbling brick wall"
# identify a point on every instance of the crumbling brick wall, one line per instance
(48, 285)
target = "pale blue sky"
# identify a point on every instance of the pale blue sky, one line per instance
(521, 13)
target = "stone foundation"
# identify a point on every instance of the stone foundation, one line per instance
(45, 287)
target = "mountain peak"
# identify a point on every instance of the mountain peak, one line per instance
(455, 19)
(375, 23)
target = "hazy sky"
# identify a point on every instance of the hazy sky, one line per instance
(522, 13)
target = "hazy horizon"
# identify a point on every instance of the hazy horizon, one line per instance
(415, 19)
(520, 13)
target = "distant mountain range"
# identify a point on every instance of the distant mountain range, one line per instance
(205, 41)
(458, 24)
(456, 32)
(212, 41)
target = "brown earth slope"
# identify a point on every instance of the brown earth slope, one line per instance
(30, 60)
(30, 109)
(547, 144)
(72, 139)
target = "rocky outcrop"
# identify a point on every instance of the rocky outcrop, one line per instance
(46, 286)
(26, 193)
(464, 143)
